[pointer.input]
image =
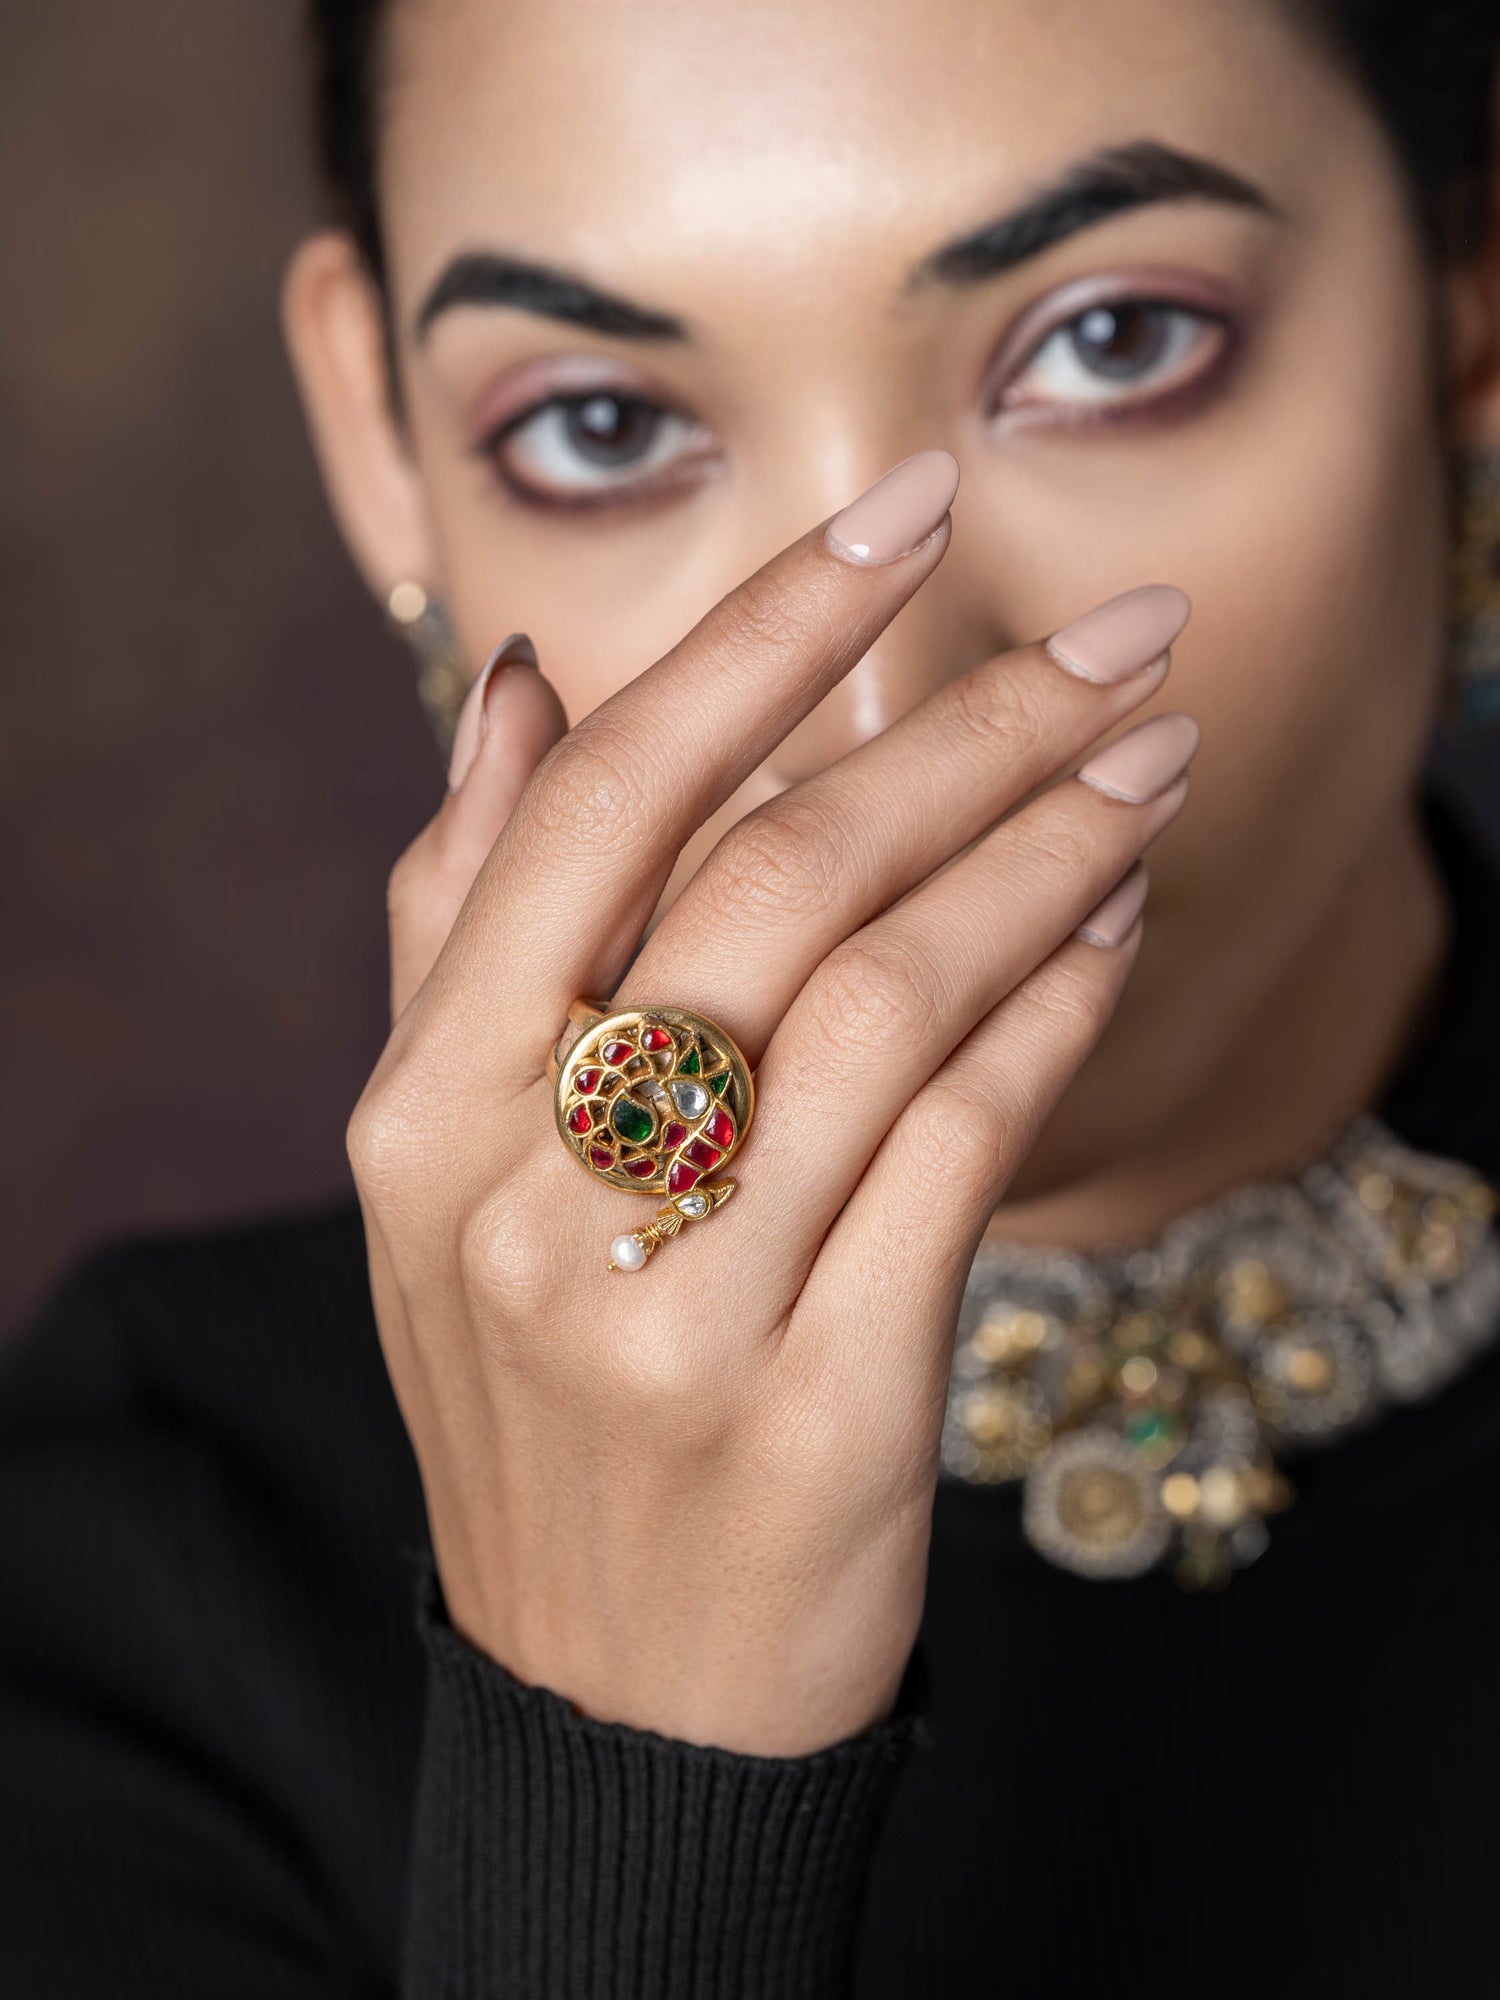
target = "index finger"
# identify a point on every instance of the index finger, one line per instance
(593, 838)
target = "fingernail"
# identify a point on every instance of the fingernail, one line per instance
(1142, 763)
(516, 650)
(1122, 635)
(897, 513)
(1111, 921)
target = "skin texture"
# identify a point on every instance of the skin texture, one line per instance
(1292, 488)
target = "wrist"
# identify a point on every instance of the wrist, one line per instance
(766, 1686)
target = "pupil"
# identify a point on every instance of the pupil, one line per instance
(1120, 341)
(609, 430)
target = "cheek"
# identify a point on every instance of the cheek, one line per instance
(1305, 519)
(601, 603)
(1314, 667)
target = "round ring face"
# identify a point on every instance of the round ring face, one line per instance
(653, 1099)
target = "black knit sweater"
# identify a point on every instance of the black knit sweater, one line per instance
(243, 1754)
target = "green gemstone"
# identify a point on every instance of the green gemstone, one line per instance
(631, 1122)
(716, 1083)
(690, 1064)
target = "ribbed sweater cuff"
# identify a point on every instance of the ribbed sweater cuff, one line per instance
(557, 1856)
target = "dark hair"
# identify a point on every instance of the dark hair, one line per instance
(348, 71)
(1428, 66)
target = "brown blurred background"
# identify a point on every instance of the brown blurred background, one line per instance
(210, 750)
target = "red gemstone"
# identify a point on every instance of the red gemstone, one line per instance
(681, 1178)
(641, 1170)
(580, 1119)
(617, 1052)
(601, 1156)
(703, 1155)
(587, 1080)
(656, 1038)
(720, 1128)
(673, 1135)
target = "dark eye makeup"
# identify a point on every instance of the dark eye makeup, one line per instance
(1126, 360)
(1117, 356)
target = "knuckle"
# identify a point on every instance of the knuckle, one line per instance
(503, 1258)
(875, 991)
(1002, 709)
(660, 1376)
(1061, 1015)
(384, 1138)
(767, 615)
(776, 616)
(973, 1123)
(782, 857)
(1071, 1003)
(593, 790)
(958, 1133)
(514, 1278)
(1060, 848)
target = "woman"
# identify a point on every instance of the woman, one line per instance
(768, 1641)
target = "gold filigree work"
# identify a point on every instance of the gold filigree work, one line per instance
(653, 1101)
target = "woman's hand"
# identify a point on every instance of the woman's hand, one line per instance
(697, 1499)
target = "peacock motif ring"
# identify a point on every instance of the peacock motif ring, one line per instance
(653, 1100)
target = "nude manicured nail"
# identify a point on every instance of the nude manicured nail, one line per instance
(516, 650)
(897, 513)
(1122, 635)
(1142, 763)
(1109, 923)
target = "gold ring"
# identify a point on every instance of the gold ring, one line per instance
(652, 1100)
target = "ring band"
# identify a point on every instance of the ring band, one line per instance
(651, 1100)
(581, 1014)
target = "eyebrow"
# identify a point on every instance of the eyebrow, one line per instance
(1105, 184)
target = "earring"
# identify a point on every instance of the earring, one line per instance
(442, 680)
(1474, 647)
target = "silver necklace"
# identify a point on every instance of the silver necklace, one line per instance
(1144, 1396)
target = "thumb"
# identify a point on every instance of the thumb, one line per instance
(510, 719)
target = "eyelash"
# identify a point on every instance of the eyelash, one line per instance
(1175, 400)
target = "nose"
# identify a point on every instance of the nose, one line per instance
(944, 630)
(909, 659)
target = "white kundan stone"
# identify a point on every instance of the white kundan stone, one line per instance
(690, 1098)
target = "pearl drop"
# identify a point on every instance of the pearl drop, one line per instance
(627, 1253)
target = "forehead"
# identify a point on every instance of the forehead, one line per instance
(673, 137)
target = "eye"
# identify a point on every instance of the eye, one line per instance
(601, 447)
(1122, 353)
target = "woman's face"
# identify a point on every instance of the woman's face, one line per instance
(794, 242)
